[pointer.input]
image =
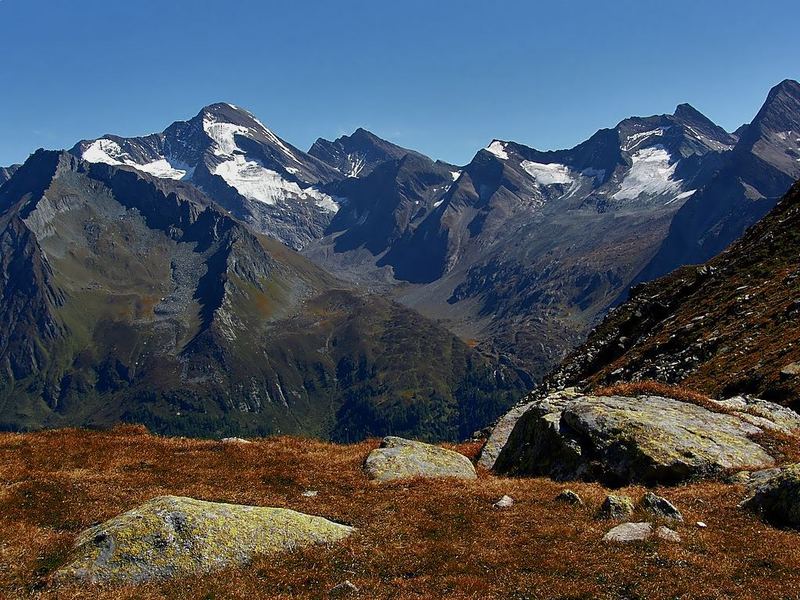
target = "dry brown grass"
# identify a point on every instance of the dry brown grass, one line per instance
(656, 388)
(418, 539)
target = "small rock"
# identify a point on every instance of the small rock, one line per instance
(309, 494)
(615, 507)
(343, 589)
(504, 502)
(235, 440)
(667, 534)
(398, 458)
(701, 525)
(790, 371)
(570, 497)
(629, 532)
(661, 507)
(777, 497)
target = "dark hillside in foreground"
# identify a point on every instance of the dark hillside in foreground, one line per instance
(727, 327)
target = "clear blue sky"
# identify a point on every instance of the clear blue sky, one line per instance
(441, 76)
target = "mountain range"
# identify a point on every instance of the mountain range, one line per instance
(214, 278)
(129, 297)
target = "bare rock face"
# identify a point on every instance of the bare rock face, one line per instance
(398, 458)
(620, 440)
(171, 536)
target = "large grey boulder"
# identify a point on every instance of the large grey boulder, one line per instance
(398, 458)
(762, 413)
(171, 536)
(776, 497)
(499, 435)
(619, 440)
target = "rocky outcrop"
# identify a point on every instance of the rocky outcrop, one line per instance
(398, 458)
(618, 440)
(776, 497)
(170, 536)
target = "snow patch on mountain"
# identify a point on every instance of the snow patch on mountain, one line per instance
(547, 174)
(714, 144)
(111, 153)
(634, 140)
(355, 164)
(498, 149)
(681, 196)
(223, 135)
(651, 174)
(276, 140)
(255, 182)
(455, 175)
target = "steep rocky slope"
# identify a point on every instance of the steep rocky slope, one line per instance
(726, 327)
(7, 172)
(130, 297)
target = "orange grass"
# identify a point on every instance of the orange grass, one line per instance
(418, 539)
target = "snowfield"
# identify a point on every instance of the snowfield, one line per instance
(547, 174)
(651, 175)
(111, 153)
(498, 148)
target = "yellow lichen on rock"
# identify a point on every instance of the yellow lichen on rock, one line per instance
(398, 458)
(172, 536)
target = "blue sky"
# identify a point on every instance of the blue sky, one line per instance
(440, 76)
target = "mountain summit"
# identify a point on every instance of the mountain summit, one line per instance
(238, 161)
(357, 154)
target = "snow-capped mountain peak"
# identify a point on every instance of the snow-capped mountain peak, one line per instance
(240, 162)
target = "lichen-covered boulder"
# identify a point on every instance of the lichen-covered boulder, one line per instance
(616, 507)
(398, 458)
(619, 440)
(171, 536)
(777, 497)
(762, 413)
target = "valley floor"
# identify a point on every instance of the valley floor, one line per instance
(419, 539)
